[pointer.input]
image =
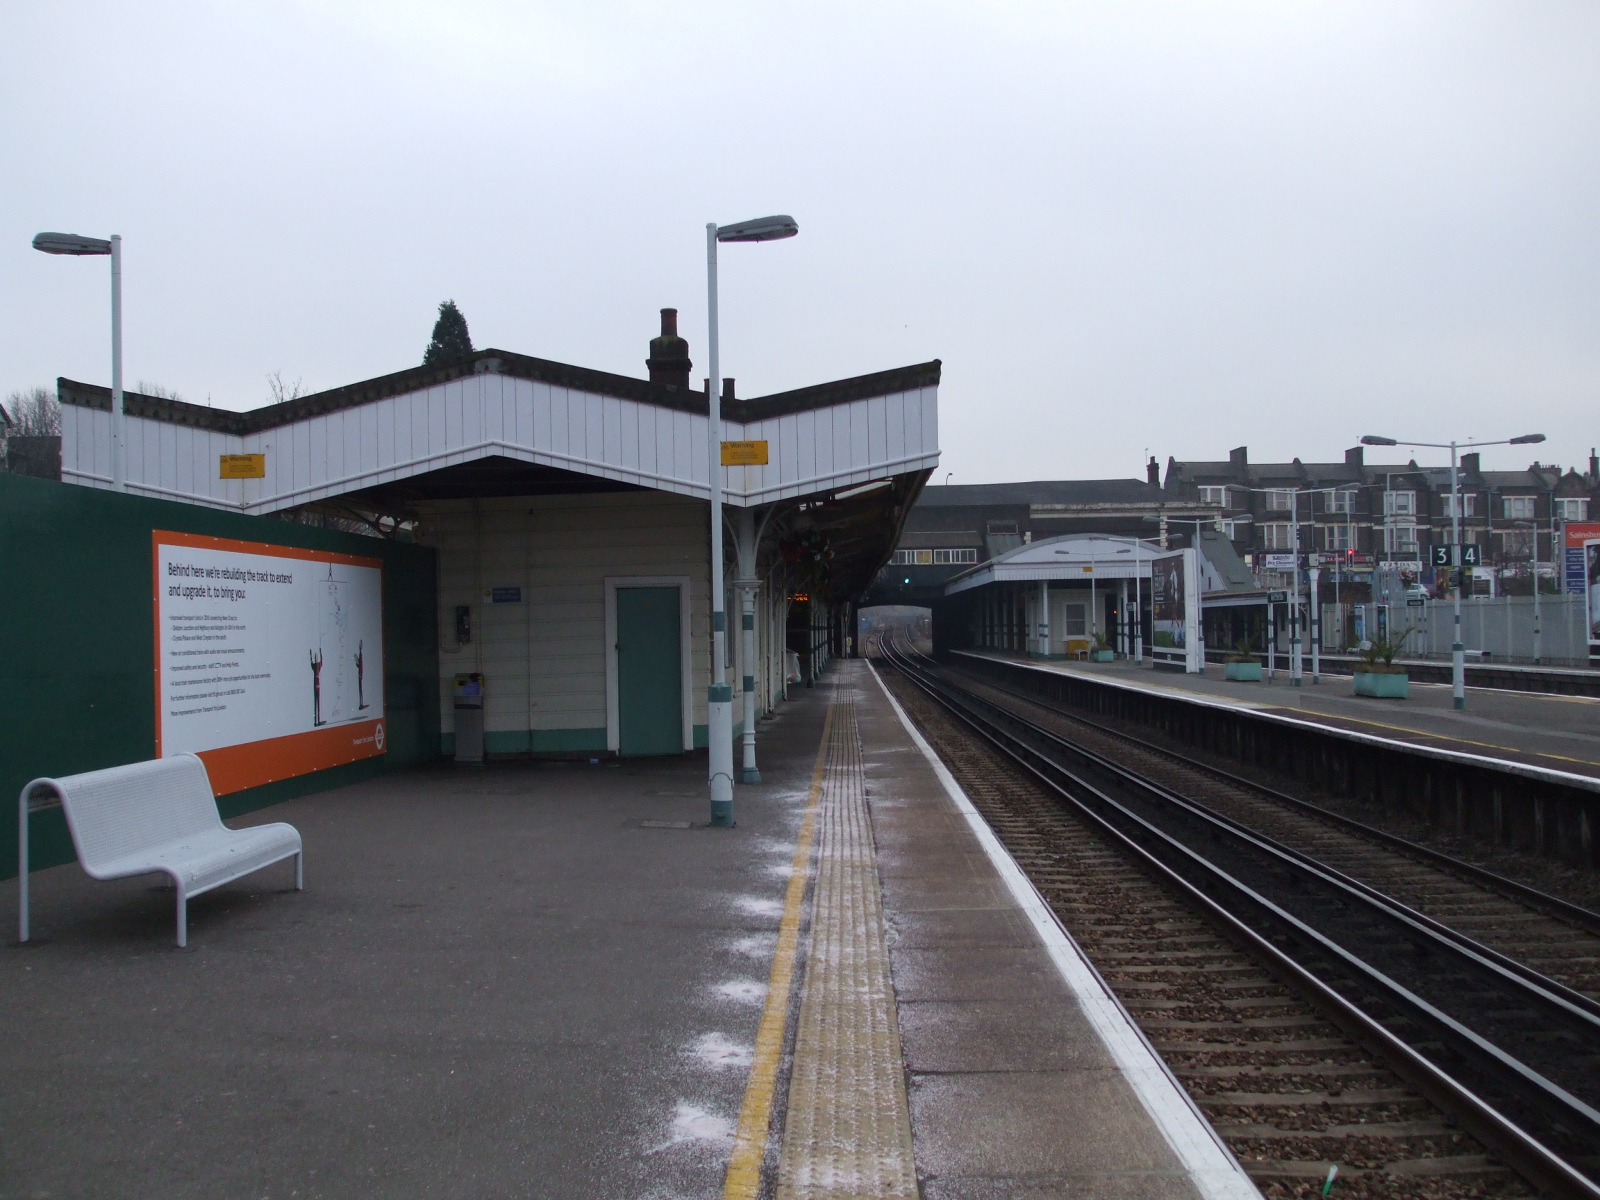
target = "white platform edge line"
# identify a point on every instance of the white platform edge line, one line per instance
(1258, 708)
(1205, 1157)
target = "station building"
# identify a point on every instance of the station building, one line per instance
(568, 509)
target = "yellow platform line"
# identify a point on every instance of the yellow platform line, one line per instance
(743, 1180)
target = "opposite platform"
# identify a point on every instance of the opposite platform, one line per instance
(1556, 733)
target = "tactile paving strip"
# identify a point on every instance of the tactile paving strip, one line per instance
(847, 1132)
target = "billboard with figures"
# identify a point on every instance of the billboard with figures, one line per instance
(1175, 611)
(269, 659)
(1582, 571)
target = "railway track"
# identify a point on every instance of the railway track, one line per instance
(1416, 1058)
(1549, 935)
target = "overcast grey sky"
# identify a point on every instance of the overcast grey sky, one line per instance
(1177, 226)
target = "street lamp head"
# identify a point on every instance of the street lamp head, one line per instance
(762, 229)
(1527, 439)
(70, 243)
(1372, 439)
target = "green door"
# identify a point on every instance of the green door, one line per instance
(649, 671)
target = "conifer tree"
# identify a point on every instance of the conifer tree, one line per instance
(450, 336)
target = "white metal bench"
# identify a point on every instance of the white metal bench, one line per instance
(148, 817)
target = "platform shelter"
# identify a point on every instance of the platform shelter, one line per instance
(1051, 598)
(569, 511)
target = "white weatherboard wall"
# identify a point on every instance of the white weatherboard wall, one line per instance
(478, 416)
(544, 660)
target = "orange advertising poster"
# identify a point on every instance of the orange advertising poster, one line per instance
(269, 659)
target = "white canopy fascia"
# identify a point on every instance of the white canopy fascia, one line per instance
(1072, 558)
(486, 415)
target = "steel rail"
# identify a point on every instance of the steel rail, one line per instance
(1532, 1158)
(1555, 906)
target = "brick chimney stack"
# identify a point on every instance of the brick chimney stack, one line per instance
(669, 354)
(1594, 467)
(1152, 472)
(1470, 463)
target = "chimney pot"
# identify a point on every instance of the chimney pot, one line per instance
(669, 354)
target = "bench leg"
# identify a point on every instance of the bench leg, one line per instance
(299, 872)
(183, 917)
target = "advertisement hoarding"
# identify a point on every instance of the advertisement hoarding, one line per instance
(1582, 571)
(268, 659)
(1175, 611)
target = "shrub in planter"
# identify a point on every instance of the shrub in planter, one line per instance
(1241, 665)
(1102, 651)
(1377, 676)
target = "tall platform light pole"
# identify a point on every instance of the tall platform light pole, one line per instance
(719, 695)
(78, 246)
(1458, 651)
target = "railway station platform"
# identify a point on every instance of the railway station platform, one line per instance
(554, 979)
(1560, 733)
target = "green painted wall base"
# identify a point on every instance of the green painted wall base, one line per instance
(512, 742)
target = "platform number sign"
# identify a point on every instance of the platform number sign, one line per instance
(1447, 556)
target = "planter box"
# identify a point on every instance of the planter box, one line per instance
(1383, 686)
(1243, 672)
(1103, 655)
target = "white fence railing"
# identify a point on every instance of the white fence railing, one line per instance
(1502, 626)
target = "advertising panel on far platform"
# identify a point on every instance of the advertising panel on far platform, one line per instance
(1582, 569)
(1175, 611)
(269, 659)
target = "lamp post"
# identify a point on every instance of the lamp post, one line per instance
(1458, 655)
(1533, 527)
(719, 696)
(78, 246)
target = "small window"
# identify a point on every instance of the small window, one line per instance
(1075, 621)
(1469, 504)
(950, 557)
(1399, 504)
(1573, 508)
(1280, 501)
(1519, 508)
(1002, 527)
(1336, 537)
(1518, 543)
(1401, 539)
(1276, 537)
(1337, 501)
(1214, 495)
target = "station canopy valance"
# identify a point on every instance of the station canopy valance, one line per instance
(496, 423)
(1071, 558)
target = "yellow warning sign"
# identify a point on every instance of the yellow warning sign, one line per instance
(243, 466)
(744, 454)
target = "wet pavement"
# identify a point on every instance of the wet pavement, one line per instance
(496, 983)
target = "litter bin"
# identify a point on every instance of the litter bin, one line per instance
(469, 719)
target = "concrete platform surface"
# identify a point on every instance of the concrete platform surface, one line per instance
(496, 984)
(1561, 733)
(553, 980)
